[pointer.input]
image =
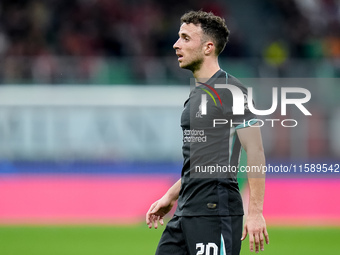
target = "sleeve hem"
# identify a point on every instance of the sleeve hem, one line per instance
(246, 124)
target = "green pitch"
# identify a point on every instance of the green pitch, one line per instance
(83, 240)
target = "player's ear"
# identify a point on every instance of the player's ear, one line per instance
(209, 48)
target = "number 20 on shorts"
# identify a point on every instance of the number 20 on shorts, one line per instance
(206, 249)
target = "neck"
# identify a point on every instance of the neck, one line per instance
(208, 68)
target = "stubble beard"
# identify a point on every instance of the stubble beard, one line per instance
(198, 60)
(194, 65)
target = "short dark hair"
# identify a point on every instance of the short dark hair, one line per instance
(212, 25)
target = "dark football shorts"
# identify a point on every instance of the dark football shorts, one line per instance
(202, 235)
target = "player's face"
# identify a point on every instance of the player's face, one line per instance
(189, 47)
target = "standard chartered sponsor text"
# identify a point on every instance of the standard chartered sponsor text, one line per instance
(194, 135)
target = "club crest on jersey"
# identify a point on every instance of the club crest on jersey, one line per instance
(199, 113)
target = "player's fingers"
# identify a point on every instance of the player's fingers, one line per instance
(150, 213)
(257, 242)
(266, 235)
(161, 220)
(148, 218)
(150, 221)
(251, 242)
(261, 242)
(155, 222)
(244, 233)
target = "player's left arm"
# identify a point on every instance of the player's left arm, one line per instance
(255, 224)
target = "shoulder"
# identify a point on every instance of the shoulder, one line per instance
(232, 80)
(228, 79)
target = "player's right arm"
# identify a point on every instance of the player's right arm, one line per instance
(162, 206)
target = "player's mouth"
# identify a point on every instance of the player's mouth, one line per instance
(180, 56)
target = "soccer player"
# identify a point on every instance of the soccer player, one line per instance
(209, 215)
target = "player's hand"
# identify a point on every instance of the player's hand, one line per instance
(255, 226)
(157, 211)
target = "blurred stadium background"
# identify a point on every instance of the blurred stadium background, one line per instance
(90, 102)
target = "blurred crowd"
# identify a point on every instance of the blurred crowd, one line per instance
(311, 28)
(91, 27)
(39, 38)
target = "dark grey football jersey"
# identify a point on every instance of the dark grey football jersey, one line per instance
(211, 146)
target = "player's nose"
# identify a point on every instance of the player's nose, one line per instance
(176, 44)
